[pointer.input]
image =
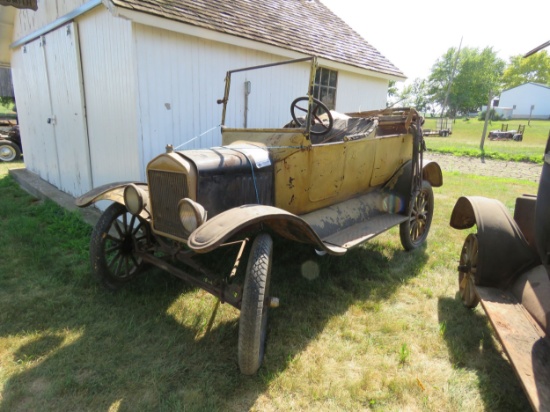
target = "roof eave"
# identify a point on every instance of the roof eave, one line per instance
(196, 31)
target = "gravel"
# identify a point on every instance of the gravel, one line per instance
(495, 168)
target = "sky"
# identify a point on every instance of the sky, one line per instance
(414, 34)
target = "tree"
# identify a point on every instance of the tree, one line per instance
(7, 102)
(392, 92)
(534, 69)
(414, 95)
(477, 73)
(441, 75)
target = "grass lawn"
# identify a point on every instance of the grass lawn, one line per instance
(466, 139)
(378, 329)
(6, 110)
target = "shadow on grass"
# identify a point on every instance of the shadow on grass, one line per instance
(468, 335)
(80, 347)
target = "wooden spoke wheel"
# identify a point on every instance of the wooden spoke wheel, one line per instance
(467, 272)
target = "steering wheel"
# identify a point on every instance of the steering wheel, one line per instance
(322, 127)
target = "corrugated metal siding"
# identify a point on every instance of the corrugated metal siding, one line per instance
(109, 82)
(523, 97)
(180, 78)
(358, 93)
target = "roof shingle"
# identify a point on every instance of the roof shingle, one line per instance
(305, 26)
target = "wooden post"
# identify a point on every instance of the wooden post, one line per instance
(485, 126)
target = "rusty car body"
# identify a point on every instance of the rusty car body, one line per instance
(326, 179)
(505, 266)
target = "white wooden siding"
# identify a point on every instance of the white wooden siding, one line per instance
(27, 21)
(180, 78)
(67, 99)
(30, 82)
(109, 82)
(523, 97)
(358, 93)
(50, 99)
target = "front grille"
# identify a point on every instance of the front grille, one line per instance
(166, 189)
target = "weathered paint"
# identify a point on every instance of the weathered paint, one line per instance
(524, 341)
(309, 180)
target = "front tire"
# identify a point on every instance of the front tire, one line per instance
(9, 151)
(115, 239)
(414, 231)
(255, 305)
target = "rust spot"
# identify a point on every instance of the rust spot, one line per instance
(291, 183)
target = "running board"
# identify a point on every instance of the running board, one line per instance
(354, 221)
(363, 231)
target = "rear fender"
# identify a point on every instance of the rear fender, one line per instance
(503, 251)
(400, 183)
(431, 171)
(222, 227)
(113, 192)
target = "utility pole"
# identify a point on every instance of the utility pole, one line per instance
(530, 114)
(487, 114)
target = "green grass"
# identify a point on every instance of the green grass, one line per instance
(378, 328)
(466, 138)
(6, 110)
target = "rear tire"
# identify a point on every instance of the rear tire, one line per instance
(255, 305)
(115, 239)
(414, 231)
(9, 151)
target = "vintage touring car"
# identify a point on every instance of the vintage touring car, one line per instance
(505, 266)
(326, 179)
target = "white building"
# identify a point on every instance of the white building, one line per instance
(530, 100)
(102, 86)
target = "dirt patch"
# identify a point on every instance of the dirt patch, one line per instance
(495, 168)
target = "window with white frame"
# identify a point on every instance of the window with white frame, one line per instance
(324, 89)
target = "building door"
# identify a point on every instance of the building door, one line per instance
(32, 94)
(54, 118)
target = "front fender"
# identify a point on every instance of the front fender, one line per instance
(221, 227)
(113, 192)
(503, 251)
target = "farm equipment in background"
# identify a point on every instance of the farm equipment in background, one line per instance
(443, 128)
(504, 134)
(10, 145)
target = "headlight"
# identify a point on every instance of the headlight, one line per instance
(134, 199)
(191, 213)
